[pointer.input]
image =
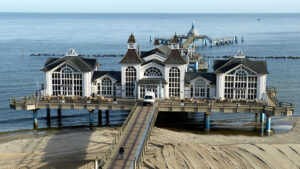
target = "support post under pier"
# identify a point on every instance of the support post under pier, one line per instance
(35, 119)
(99, 117)
(59, 113)
(256, 117)
(262, 117)
(48, 114)
(91, 117)
(107, 116)
(207, 121)
(268, 125)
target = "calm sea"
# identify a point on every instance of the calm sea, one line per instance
(27, 33)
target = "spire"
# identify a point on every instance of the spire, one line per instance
(175, 43)
(131, 39)
(71, 52)
(131, 42)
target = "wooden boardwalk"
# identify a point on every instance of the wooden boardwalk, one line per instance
(131, 138)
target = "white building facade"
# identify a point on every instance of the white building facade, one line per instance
(162, 70)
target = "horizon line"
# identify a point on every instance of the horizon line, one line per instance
(52, 12)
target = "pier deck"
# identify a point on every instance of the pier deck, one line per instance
(136, 129)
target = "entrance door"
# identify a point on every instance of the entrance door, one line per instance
(152, 88)
(240, 94)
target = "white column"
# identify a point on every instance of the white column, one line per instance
(220, 86)
(48, 83)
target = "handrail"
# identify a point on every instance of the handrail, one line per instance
(139, 156)
(103, 163)
(272, 92)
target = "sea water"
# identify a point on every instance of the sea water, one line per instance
(23, 34)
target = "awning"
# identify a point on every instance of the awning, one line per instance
(152, 81)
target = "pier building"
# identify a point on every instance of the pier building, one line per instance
(162, 70)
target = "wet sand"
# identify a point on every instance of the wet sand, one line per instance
(179, 150)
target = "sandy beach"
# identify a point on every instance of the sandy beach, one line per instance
(77, 148)
(169, 149)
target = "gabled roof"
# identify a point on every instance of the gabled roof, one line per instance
(189, 76)
(82, 64)
(223, 66)
(154, 61)
(114, 74)
(175, 58)
(131, 57)
(155, 51)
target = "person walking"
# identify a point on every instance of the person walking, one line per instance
(121, 152)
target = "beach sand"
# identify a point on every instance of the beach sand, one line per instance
(179, 150)
(74, 148)
(77, 148)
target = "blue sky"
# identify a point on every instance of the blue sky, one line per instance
(152, 6)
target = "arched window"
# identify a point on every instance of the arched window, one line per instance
(67, 81)
(241, 84)
(106, 87)
(153, 71)
(200, 89)
(130, 81)
(174, 82)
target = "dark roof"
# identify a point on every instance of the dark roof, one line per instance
(156, 42)
(155, 61)
(189, 76)
(174, 39)
(156, 51)
(175, 58)
(82, 64)
(131, 39)
(114, 74)
(152, 81)
(222, 66)
(131, 57)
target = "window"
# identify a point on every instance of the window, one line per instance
(153, 71)
(142, 91)
(240, 84)
(55, 84)
(174, 82)
(66, 81)
(200, 89)
(106, 87)
(130, 81)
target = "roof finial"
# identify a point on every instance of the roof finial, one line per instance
(71, 52)
(240, 54)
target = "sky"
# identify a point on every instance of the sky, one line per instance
(152, 6)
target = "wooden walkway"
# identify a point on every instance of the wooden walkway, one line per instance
(131, 138)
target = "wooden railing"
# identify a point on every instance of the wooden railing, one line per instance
(30, 99)
(115, 143)
(139, 157)
(272, 93)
